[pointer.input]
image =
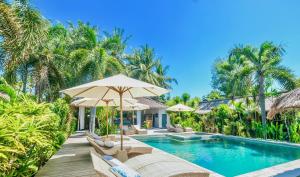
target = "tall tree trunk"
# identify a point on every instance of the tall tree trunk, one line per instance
(25, 78)
(262, 105)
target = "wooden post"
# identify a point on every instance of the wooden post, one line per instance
(106, 119)
(121, 118)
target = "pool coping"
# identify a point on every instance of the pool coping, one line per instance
(287, 169)
(212, 173)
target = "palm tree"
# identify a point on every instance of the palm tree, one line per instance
(24, 31)
(185, 97)
(96, 62)
(213, 95)
(142, 65)
(115, 43)
(231, 76)
(266, 63)
(164, 80)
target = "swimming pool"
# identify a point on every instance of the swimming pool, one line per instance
(226, 156)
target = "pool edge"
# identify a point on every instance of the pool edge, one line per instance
(280, 169)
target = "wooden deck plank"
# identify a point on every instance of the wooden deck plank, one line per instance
(73, 159)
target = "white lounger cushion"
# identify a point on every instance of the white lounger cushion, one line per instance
(95, 136)
(124, 171)
(100, 142)
(158, 166)
(119, 168)
(109, 144)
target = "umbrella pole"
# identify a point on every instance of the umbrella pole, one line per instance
(106, 119)
(121, 118)
(132, 118)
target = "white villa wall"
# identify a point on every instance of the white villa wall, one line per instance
(160, 112)
(139, 118)
(81, 114)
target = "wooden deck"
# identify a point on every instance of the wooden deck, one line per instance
(73, 159)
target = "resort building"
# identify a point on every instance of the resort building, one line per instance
(156, 116)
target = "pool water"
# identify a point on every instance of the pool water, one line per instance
(228, 157)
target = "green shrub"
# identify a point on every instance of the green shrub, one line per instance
(30, 133)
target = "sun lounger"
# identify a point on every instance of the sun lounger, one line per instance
(171, 128)
(136, 151)
(178, 128)
(128, 130)
(150, 165)
(105, 166)
(104, 138)
(106, 151)
(188, 129)
(139, 130)
(113, 151)
(101, 167)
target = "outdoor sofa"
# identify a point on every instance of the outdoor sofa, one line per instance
(176, 129)
(128, 130)
(115, 150)
(139, 130)
(147, 165)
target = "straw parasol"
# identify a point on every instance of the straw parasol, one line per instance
(287, 101)
(180, 108)
(91, 102)
(136, 107)
(118, 86)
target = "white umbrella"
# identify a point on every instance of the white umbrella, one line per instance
(136, 107)
(118, 86)
(92, 102)
(180, 108)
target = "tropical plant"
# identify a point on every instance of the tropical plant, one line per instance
(30, 134)
(185, 97)
(265, 62)
(144, 65)
(231, 76)
(213, 95)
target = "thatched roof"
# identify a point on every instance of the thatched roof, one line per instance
(287, 101)
(202, 112)
(153, 104)
(206, 106)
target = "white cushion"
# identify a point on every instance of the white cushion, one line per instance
(100, 142)
(96, 137)
(109, 144)
(124, 171)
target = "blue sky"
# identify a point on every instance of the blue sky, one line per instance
(190, 34)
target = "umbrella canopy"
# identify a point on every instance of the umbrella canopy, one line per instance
(287, 101)
(118, 86)
(92, 102)
(111, 87)
(136, 107)
(180, 108)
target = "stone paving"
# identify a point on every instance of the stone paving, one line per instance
(73, 159)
